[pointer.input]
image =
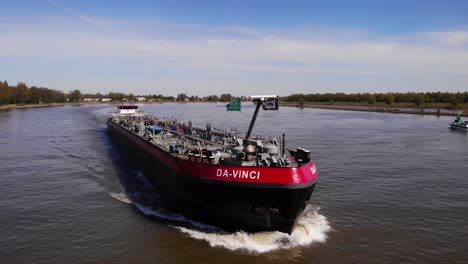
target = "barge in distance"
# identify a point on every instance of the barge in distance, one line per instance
(219, 177)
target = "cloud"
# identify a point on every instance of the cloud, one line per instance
(219, 42)
(261, 52)
(236, 50)
(101, 23)
(452, 38)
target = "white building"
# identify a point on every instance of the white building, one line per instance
(90, 99)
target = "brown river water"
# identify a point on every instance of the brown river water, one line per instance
(392, 189)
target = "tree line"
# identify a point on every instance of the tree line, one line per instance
(22, 94)
(210, 98)
(389, 98)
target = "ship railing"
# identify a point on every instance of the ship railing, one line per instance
(196, 139)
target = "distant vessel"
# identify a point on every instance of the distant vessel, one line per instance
(459, 124)
(216, 176)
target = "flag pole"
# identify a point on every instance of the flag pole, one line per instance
(254, 117)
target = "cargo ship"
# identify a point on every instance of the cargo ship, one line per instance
(221, 177)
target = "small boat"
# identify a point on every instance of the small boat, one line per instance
(459, 124)
(219, 177)
(462, 125)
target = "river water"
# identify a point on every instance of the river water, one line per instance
(392, 189)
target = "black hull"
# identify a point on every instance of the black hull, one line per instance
(230, 206)
(458, 127)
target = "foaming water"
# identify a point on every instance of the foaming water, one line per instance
(121, 197)
(311, 227)
(161, 213)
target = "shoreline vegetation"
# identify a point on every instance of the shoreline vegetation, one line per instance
(429, 103)
(22, 106)
(429, 109)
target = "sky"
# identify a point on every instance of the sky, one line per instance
(238, 47)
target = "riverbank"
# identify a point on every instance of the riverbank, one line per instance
(383, 109)
(21, 106)
(395, 109)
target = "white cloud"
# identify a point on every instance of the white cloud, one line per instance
(262, 49)
(240, 49)
(453, 38)
(218, 42)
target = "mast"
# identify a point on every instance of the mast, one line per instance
(260, 100)
(254, 117)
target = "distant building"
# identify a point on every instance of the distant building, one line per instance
(90, 99)
(140, 98)
(106, 100)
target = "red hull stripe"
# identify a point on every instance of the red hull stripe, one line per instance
(271, 175)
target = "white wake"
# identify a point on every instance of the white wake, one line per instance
(312, 227)
(159, 212)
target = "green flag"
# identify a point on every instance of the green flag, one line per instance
(234, 105)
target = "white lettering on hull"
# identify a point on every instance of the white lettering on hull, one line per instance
(238, 174)
(313, 169)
